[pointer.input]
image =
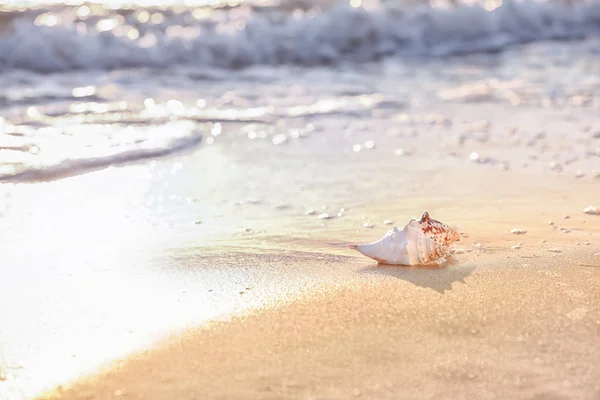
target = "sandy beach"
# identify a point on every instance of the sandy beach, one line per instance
(486, 328)
(179, 187)
(295, 314)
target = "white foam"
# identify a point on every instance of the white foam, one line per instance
(60, 156)
(234, 38)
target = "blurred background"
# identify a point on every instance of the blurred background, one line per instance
(91, 84)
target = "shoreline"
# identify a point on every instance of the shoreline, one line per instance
(173, 280)
(103, 266)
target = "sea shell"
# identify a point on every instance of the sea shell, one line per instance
(420, 242)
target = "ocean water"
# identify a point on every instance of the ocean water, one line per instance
(88, 85)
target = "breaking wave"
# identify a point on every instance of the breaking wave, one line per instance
(57, 40)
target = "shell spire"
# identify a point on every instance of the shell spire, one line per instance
(419, 242)
(438, 231)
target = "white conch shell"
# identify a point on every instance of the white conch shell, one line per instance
(419, 243)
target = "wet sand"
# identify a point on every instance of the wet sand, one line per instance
(310, 318)
(483, 327)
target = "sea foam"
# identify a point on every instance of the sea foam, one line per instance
(242, 36)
